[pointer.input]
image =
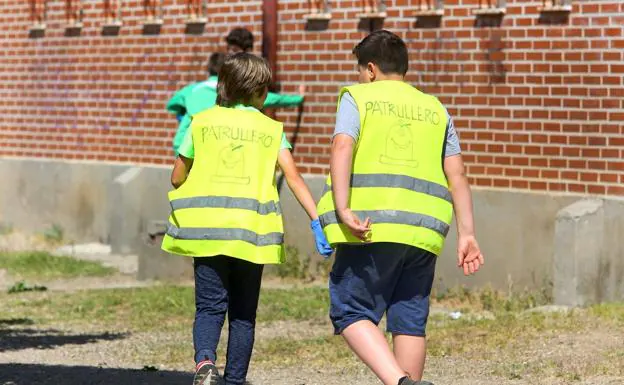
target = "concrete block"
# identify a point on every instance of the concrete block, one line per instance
(578, 245)
(125, 209)
(154, 263)
(36, 194)
(612, 264)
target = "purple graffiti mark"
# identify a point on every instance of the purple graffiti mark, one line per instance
(63, 102)
(148, 93)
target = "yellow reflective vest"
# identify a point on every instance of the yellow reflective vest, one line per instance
(229, 203)
(398, 177)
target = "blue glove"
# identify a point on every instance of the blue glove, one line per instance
(322, 245)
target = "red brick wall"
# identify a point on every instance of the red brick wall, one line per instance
(102, 98)
(538, 106)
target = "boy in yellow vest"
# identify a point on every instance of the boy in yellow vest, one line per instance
(226, 212)
(396, 175)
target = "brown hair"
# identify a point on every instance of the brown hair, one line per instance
(242, 77)
(241, 38)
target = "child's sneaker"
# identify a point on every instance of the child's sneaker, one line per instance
(206, 373)
(408, 381)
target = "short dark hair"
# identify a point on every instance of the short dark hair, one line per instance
(241, 37)
(384, 49)
(215, 62)
(242, 76)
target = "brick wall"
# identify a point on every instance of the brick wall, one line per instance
(538, 104)
(100, 97)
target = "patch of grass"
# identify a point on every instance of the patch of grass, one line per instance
(325, 351)
(491, 300)
(160, 307)
(22, 286)
(610, 311)
(54, 234)
(295, 266)
(42, 265)
(293, 304)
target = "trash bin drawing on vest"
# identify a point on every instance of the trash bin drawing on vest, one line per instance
(399, 150)
(231, 165)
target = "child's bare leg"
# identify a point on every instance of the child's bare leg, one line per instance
(370, 345)
(410, 353)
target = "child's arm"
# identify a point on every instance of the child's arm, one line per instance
(281, 100)
(181, 168)
(177, 104)
(296, 183)
(302, 193)
(340, 170)
(468, 252)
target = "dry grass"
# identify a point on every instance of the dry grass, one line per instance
(495, 332)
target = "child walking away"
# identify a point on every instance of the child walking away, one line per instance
(197, 97)
(226, 212)
(396, 174)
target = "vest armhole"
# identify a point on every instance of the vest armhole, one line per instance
(446, 131)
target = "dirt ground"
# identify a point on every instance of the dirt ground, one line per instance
(85, 354)
(81, 356)
(87, 359)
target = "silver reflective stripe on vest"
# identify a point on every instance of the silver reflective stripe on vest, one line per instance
(227, 203)
(224, 234)
(392, 216)
(399, 181)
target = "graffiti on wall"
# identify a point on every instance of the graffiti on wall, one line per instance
(70, 95)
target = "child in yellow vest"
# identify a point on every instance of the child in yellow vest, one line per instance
(226, 212)
(396, 176)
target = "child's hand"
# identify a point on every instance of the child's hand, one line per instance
(358, 229)
(322, 245)
(469, 255)
(302, 89)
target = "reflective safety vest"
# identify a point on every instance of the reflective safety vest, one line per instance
(398, 177)
(229, 203)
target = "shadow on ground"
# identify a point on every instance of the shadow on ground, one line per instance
(28, 374)
(13, 336)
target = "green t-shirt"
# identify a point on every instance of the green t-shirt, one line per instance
(177, 103)
(187, 150)
(203, 95)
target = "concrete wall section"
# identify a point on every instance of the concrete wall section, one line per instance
(34, 195)
(613, 257)
(578, 271)
(119, 204)
(515, 231)
(588, 266)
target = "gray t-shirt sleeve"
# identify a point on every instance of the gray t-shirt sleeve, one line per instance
(452, 139)
(348, 123)
(348, 117)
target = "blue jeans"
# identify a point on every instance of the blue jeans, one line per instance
(226, 285)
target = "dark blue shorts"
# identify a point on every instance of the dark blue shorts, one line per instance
(369, 280)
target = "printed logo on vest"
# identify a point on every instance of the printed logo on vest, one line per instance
(231, 165)
(399, 146)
